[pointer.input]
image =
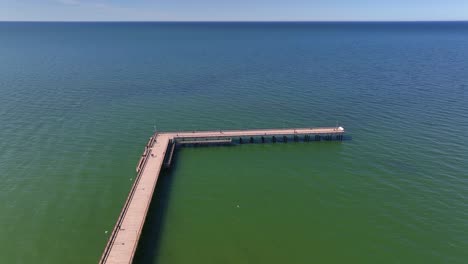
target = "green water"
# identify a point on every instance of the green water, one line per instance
(295, 203)
(78, 102)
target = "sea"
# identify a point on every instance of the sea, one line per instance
(78, 102)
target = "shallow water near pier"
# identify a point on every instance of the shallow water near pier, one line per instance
(80, 100)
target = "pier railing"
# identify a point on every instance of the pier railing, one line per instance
(133, 214)
(123, 212)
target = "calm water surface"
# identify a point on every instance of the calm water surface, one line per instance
(78, 102)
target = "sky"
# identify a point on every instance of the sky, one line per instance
(233, 10)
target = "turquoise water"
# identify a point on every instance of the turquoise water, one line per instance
(79, 101)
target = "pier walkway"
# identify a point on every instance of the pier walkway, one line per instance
(124, 238)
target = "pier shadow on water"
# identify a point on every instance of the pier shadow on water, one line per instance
(150, 240)
(271, 139)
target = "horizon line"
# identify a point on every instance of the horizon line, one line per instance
(233, 21)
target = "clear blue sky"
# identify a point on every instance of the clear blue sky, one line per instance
(233, 10)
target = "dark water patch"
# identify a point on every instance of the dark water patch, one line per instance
(150, 240)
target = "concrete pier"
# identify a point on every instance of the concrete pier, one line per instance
(124, 238)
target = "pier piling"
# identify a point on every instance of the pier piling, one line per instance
(158, 152)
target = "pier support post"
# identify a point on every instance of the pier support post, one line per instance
(251, 140)
(285, 139)
(126, 234)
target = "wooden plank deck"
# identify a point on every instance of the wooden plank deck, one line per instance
(123, 241)
(256, 133)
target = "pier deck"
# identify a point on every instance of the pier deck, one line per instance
(124, 238)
